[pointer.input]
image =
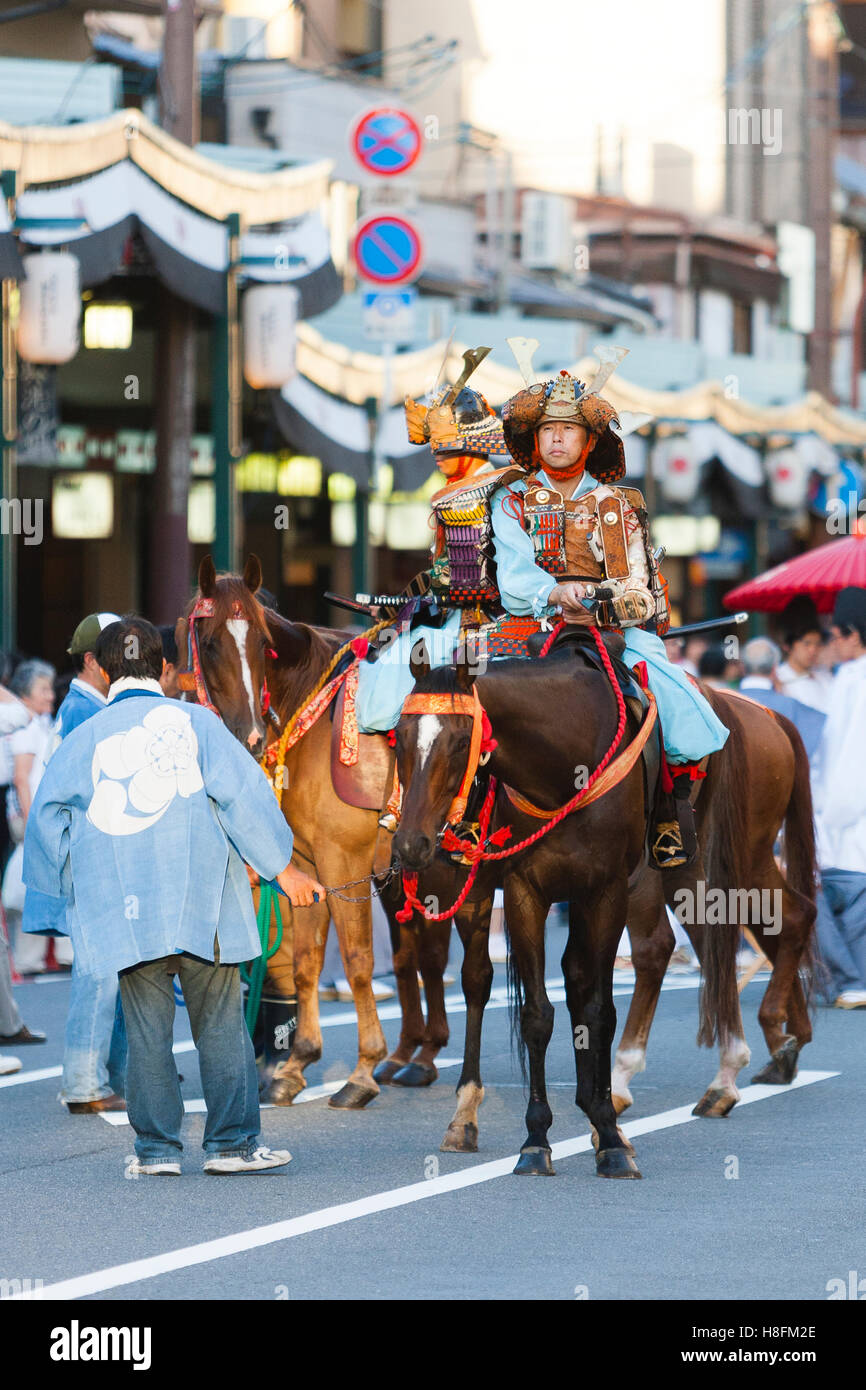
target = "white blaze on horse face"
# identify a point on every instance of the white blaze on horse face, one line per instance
(429, 729)
(238, 628)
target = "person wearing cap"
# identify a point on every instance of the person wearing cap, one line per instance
(458, 594)
(94, 1057)
(840, 809)
(571, 530)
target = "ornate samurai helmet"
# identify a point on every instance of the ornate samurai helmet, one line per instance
(458, 420)
(563, 397)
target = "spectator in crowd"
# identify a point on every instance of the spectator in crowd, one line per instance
(761, 659)
(800, 675)
(160, 802)
(94, 1058)
(14, 715)
(718, 669)
(169, 678)
(840, 809)
(33, 683)
(691, 650)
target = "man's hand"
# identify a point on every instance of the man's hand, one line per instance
(299, 888)
(567, 596)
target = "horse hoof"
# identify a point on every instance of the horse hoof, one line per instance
(622, 1102)
(415, 1074)
(386, 1071)
(283, 1089)
(460, 1139)
(782, 1066)
(534, 1163)
(615, 1163)
(353, 1097)
(714, 1105)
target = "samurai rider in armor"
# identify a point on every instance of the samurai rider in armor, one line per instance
(571, 530)
(458, 593)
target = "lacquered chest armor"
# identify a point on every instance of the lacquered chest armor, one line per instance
(464, 569)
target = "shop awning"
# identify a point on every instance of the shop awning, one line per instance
(129, 176)
(338, 433)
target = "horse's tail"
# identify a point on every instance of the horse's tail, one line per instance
(516, 997)
(726, 862)
(801, 867)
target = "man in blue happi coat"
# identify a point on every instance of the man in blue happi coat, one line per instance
(142, 823)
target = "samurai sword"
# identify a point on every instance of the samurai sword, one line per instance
(735, 620)
(365, 603)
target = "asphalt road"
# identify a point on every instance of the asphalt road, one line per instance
(369, 1208)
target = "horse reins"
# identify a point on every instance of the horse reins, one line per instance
(205, 608)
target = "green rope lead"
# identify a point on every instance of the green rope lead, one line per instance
(254, 972)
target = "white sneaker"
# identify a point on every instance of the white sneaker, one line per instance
(8, 1065)
(851, 999)
(256, 1162)
(342, 990)
(153, 1168)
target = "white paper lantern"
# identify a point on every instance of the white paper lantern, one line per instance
(788, 475)
(50, 312)
(677, 462)
(269, 317)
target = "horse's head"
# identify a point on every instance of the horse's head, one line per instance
(231, 640)
(433, 751)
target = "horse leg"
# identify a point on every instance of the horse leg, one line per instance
(309, 934)
(354, 922)
(652, 942)
(587, 964)
(473, 924)
(405, 940)
(434, 939)
(526, 912)
(783, 1015)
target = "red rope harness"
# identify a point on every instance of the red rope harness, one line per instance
(477, 852)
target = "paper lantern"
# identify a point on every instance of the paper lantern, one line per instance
(676, 460)
(269, 317)
(788, 477)
(50, 311)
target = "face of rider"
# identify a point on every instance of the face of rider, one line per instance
(560, 443)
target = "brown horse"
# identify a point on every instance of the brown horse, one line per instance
(246, 650)
(550, 718)
(778, 792)
(756, 786)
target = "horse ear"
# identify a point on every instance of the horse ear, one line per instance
(253, 573)
(465, 672)
(206, 577)
(419, 660)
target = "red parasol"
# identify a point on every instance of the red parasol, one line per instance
(820, 573)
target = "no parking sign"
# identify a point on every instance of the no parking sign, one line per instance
(386, 249)
(386, 140)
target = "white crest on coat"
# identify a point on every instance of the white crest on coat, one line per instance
(429, 729)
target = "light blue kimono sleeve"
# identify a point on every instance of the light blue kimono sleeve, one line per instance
(523, 585)
(243, 799)
(46, 839)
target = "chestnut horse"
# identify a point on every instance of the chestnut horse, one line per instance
(739, 841)
(245, 651)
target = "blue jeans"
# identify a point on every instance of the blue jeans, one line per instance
(225, 1053)
(841, 928)
(94, 1062)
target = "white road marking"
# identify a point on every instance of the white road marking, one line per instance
(455, 1004)
(328, 1088)
(150, 1268)
(429, 729)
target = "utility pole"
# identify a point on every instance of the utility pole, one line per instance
(175, 377)
(823, 108)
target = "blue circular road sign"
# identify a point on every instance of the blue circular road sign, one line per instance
(386, 249)
(386, 141)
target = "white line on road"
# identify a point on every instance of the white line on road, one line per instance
(150, 1268)
(198, 1107)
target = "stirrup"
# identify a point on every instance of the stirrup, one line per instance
(668, 851)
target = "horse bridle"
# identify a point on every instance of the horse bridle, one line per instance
(193, 678)
(481, 743)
